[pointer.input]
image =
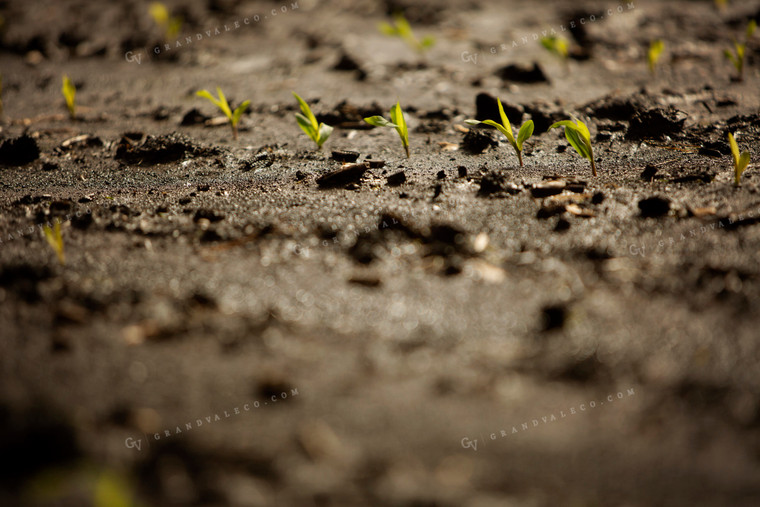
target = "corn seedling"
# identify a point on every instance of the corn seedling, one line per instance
(656, 47)
(223, 105)
(403, 30)
(579, 137)
(397, 121)
(318, 132)
(740, 161)
(171, 25)
(55, 240)
(69, 94)
(740, 48)
(557, 45)
(505, 128)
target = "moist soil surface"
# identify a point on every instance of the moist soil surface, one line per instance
(257, 322)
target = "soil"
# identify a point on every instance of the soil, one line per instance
(257, 322)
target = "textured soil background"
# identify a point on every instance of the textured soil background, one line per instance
(382, 334)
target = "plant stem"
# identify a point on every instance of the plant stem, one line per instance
(406, 148)
(593, 165)
(519, 156)
(234, 132)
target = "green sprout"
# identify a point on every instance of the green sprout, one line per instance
(55, 240)
(397, 121)
(579, 137)
(171, 25)
(403, 30)
(223, 105)
(740, 49)
(656, 47)
(557, 45)
(505, 128)
(69, 93)
(740, 161)
(318, 132)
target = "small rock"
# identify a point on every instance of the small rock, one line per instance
(494, 183)
(648, 173)
(345, 156)
(396, 179)
(207, 214)
(653, 207)
(194, 117)
(441, 175)
(351, 173)
(462, 171)
(520, 73)
(19, 151)
(553, 317)
(375, 164)
(478, 140)
(656, 123)
(547, 188)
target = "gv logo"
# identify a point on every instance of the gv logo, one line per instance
(467, 443)
(467, 57)
(131, 443)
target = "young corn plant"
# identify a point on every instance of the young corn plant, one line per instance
(69, 94)
(579, 137)
(740, 48)
(403, 30)
(556, 45)
(223, 105)
(397, 121)
(740, 161)
(505, 128)
(171, 25)
(318, 132)
(55, 240)
(656, 47)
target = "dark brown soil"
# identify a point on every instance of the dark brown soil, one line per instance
(250, 322)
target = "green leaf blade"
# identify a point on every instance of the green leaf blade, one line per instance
(734, 148)
(505, 122)
(379, 121)
(324, 134)
(524, 133)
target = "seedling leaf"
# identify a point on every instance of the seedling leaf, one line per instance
(55, 240)
(238, 112)
(656, 47)
(160, 14)
(398, 122)
(403, 30)
(224, 106)
(751, 27)
(379, 121)
(506, 128)
(525, 132)
(734, 147)
(556, 45)
(69, 94)
(324, 133)
(318, 132)
(579, 137)
(740, 161)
